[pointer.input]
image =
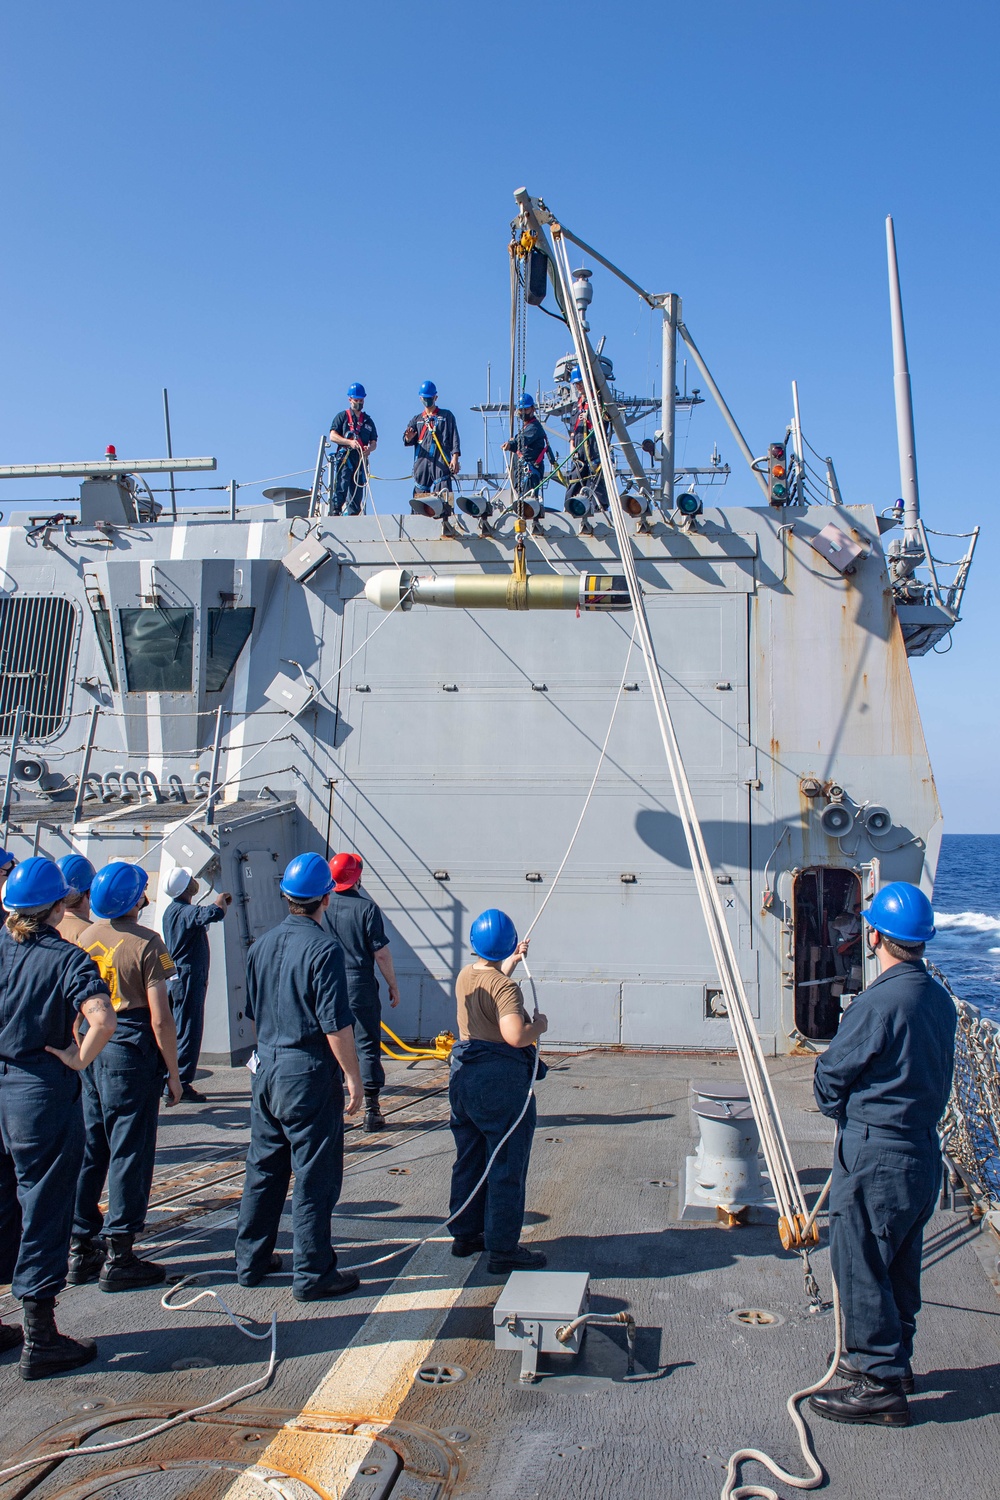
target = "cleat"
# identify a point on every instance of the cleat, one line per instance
(875, 1402)
(47, 1351)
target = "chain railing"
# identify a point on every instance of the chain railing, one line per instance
(971, 1126)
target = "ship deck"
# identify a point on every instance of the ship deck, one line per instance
(344, 1415)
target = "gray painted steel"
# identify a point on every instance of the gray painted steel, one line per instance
(456, 749)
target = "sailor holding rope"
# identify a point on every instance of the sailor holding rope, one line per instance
(354, 435)
(492, 1071)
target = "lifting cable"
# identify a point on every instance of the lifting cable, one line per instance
(796, 1224)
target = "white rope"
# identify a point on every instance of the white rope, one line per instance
(781, 1167)
(259, 1384)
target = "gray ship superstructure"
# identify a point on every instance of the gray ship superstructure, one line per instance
(219, 691)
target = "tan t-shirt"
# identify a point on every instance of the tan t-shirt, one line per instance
(71, 926)
(130, 959)
(484, 995)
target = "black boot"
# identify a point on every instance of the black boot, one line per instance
(463, 1248)
(10, 1337)
(123, 1269)
(521, 1259)
(868, 1400)
(86, 1257)
(846, 1371)
(374, 1118)
(47, 1351)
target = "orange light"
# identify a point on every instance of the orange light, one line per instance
(778, 471)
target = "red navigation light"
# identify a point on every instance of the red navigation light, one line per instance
(111, 451)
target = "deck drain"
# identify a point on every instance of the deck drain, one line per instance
(193, 1362)
(664, 1182)
(398, 1171)
(553, 1140)
(439, 1374)
(755, 1317)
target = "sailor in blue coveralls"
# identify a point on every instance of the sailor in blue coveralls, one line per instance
(531, 445)
(885, 1078)
(356, 922)
(185, 932)
(45, 985)
(434, 436)
(297, 999)
(491, 1070)
(353, 435)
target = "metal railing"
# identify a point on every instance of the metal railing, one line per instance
(971, 1126)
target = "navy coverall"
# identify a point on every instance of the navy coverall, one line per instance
(297, 997)
(356, 923)
(531, 446)
(349, 479)
(430, 469)
(486, 1090)
(43, 983)
(184, 932)
(585, 463)
(885, 1078)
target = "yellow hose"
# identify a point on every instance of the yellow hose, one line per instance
(441, 1049)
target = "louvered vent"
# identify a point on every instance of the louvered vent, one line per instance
(37, 636)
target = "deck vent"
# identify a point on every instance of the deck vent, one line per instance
(37, 639)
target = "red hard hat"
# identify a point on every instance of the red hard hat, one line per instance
(346, 871)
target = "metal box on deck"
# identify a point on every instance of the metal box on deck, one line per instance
(532, 1306)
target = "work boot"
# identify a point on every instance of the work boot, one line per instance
(846, 1371)
(337, 1284)
(880, 1402)
(462, 1249)
(87, 1254)
(191, 1095)
(124, 1271)
(374, 1118)
(521, 1259)
(47, 1351)
(10, 1337)
(271, 1269)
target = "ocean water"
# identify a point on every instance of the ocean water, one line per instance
(967, 917)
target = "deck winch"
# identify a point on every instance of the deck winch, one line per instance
(398, 588)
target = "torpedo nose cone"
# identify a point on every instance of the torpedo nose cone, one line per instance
(387, 588)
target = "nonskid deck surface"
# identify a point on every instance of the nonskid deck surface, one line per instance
(344, 1416)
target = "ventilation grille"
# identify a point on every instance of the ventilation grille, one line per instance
(36, 651)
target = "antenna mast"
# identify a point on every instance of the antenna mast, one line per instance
(904, 395)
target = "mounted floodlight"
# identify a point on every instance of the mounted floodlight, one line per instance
(528, 507)
(836, 819)
(877, 820)
(635, 504)
(428, 504)
(476, 504)
(689, 503)
(579, 506)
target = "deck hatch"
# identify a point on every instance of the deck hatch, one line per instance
(37, 640)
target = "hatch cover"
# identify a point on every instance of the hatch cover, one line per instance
(251, 1454)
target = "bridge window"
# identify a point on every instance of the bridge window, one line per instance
(158, 646)
(228, 632)
(37, 637)
(102, 624)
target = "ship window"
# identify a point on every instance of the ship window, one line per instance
(37, 635)
(158, 649)
(826, 906)
(228, 632)
(102, 624)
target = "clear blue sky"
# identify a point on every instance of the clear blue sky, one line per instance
(254, 202)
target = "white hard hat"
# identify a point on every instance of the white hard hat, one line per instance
(177, 881)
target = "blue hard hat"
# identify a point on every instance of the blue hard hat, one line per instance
(428, 390)
(900, 911)
(307, 878)
(116, 888)
(526, 401)
(356, 392)
(493, 935)
(35, 884)
(6, 858)
(79, 872)
(575, 376)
